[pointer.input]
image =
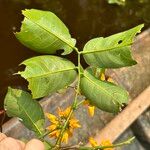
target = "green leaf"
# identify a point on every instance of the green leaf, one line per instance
(112, 51)
(44, 32)
(19, 104)
(119, 2)
(47, 74)
(104, 95)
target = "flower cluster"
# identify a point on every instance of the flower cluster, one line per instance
(58, 122)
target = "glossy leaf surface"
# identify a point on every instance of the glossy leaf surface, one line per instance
(47, 74)
(104, 95)
(44, 32)
(112, 51)
(19, 104)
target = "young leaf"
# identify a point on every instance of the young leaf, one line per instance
(44, 32)
(19, 104)
(112, 51)
(47, 74)
(102, 94)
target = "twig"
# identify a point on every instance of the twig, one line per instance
(74, 105)
(78, 147)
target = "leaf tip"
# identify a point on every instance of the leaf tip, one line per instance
(134, 62)
(24, 11)
(140, 27)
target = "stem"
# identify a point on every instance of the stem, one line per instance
(104, 147)
(74, 104)
(58, 142)
(46, 133)
(78, 104)
(48, 143)
(76, 49)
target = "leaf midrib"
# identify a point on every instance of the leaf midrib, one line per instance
(32, 122)
(20, 106)
(54, 34)
(103, 50)
(49, 73)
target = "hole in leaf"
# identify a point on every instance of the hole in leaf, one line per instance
(123, 106)
(119, 42)
(21, 67)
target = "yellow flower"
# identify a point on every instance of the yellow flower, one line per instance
(110, 80)
(102, 77)
(58, 122)
(52, 118)
(52, 127)
(64, 113)
(65, 137)
(106, 143)
(93, 142)
(102, 143)
(91, 108)
(55, 133)
(74, 123)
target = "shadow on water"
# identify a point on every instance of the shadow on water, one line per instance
(85, 19)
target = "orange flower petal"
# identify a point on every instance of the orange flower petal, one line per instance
(67, 111)
(106, 143)
(65, 137)
(74, 123)
(57, 133)
(53, 134)
(52, 127)
(102, 77)
(64, 113)
(86, 102)
(110, 80)
(52, 118)
(91, 110)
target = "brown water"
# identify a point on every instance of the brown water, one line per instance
(86, 19)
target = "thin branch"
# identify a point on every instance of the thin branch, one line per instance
(46, 133)
(74, 105)
(78, 147)
(127, 142)
(81, 102)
